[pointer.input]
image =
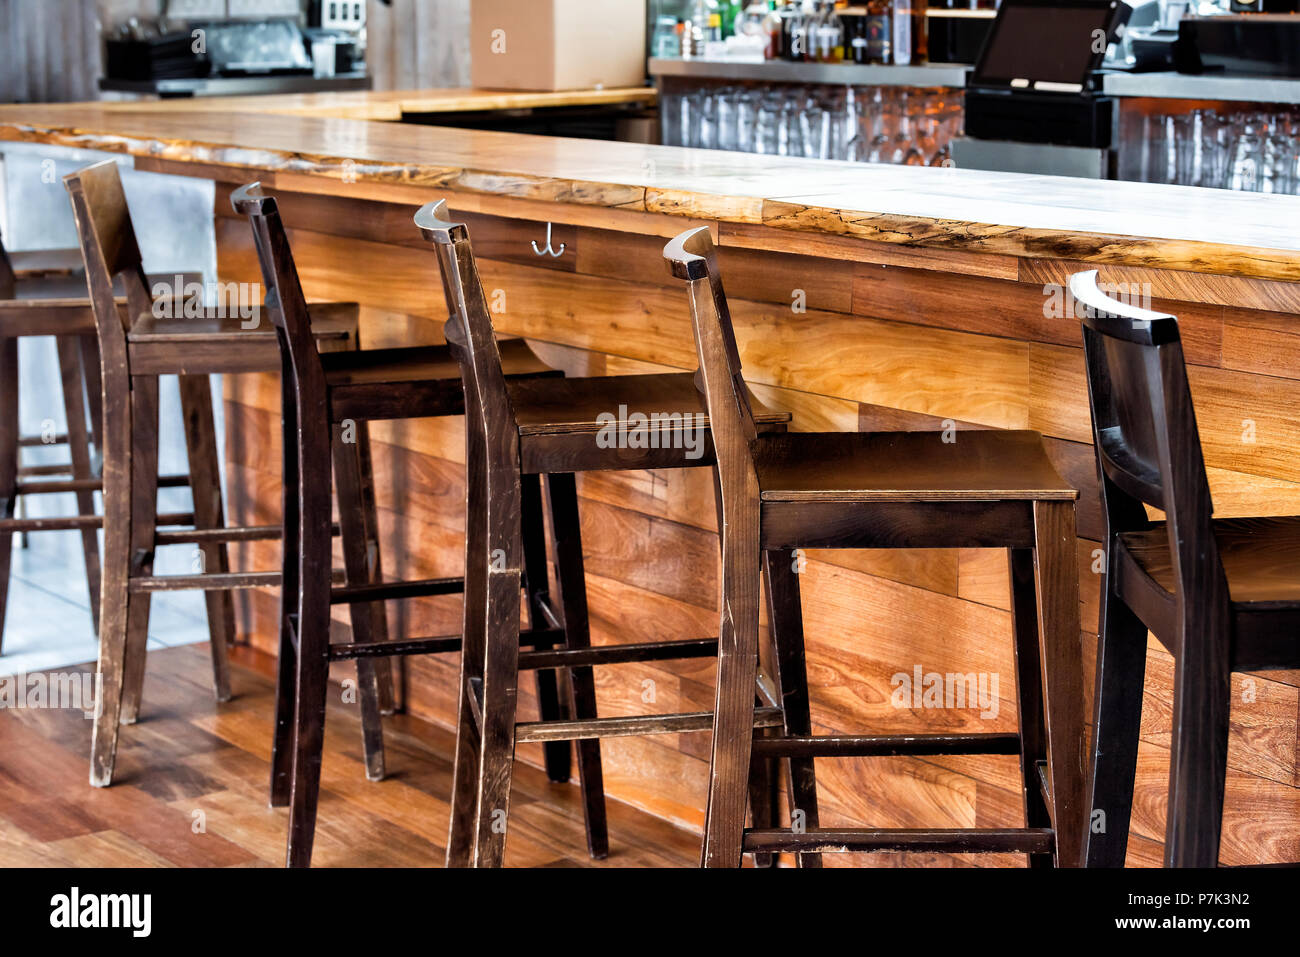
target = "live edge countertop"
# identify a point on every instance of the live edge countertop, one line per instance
(1172, 227)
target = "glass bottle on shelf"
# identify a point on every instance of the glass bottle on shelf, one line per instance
(879, 32)
(908, 26)
(667, 37)
(794, 31)
(830, 34)
(855, 33)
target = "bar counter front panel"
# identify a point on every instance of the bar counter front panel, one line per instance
(846, 333)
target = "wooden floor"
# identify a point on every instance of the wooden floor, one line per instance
(191, 788)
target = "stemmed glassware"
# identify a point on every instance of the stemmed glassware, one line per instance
(1250, 151)
(876, 124)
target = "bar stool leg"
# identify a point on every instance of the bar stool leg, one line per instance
(764, 798)
(1198, 764)
(205, 483)
(1117, 724)
(8, 462)
(383, 667)
(786, 622)
(733, 721)
(570, 578)
(558, 754)
(1029, 692)
(70, 370)
(500, 675)
(1061, 652)
(144, 515)
(464, 801)
(287, 659)
(129, 485)
(90, 370)
(313, 630)
(352, 524)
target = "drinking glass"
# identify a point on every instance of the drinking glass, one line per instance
(885, 126)
(1246, 172)
(747, 105)
(725, 104)
(766, 120)
(1217, 136)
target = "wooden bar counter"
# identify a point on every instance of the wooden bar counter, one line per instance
(864, 297)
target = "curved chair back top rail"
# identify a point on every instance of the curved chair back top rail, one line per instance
(469, 328)
(111, 254)
(692, 256)
(1144, 427)
(284, 296)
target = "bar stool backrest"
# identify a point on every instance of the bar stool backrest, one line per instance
(693, 258)
(284, 297)
(109, 249)
(1144, 429)
(469, 326)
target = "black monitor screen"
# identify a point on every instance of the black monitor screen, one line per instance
(1058, 43)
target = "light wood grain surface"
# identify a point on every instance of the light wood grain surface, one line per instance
(1134, 224)
(390, 105)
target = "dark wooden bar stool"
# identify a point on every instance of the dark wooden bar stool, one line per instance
(516, 431)
(988, 489)
(135, 349)
(34, 287)
(1221, 595)
(320, 392)
(43, 293)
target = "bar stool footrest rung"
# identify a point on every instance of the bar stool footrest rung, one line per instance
(1016, 840)
(886, 745)
(636, 725)
(395, 591)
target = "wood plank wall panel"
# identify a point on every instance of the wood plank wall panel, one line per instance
(418, 44)
(873, 341)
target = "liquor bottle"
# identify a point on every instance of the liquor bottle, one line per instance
(879, 32)
(855, 31)
(797, 43)
(831, 35)
(908, 32)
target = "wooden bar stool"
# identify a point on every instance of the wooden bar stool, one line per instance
(43, 293)
(320, 392)
(989, 489)
(1221, 595)
(33, 290)
(136, 348)
(515, 431)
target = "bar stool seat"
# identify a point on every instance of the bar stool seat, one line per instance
(230, 330)
(213, 344)
(411, 382)
(1261, 560)
(46, 263)
(48, 274)
(905, 466)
